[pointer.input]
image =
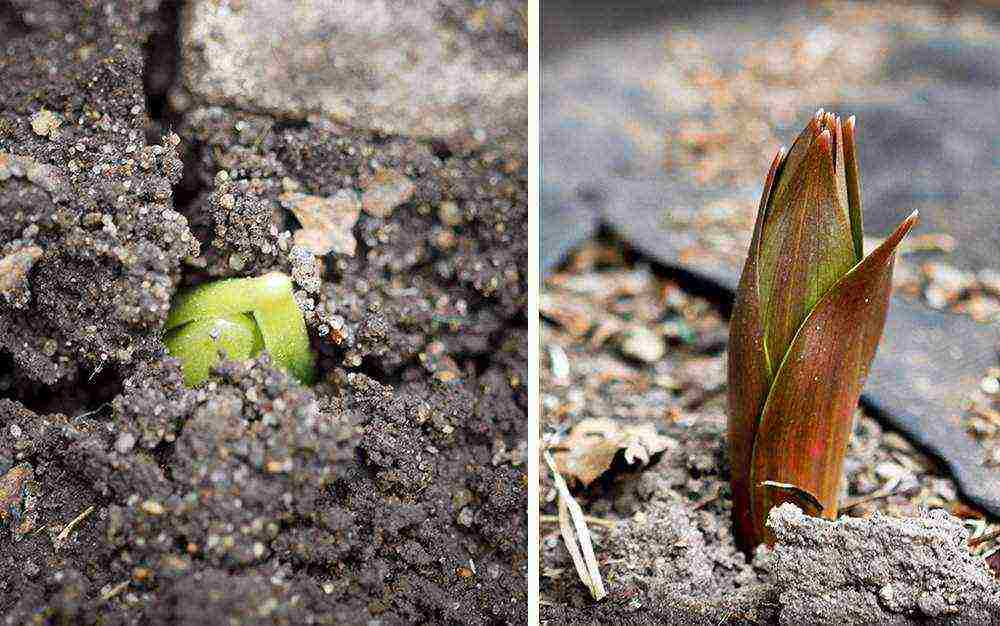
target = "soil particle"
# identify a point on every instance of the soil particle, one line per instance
(18, 501)
(14, 269)
(244, 224)
(386, 191)
(643, 344)
(45, 123)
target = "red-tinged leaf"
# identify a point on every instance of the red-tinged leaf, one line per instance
(853, 179)
(798, 151)
(806, 244)
(749, 372)
(993, 562)
(840, 180)
(808, 416)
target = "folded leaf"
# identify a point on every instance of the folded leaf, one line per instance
(197, 344)
(228, 297)
(807, 243)
(749, 376)
(853, 179)
(268, 302)
(808, 416)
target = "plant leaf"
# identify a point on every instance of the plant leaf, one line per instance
(806, 243)
(798, 496)
(853, 175)
(286, 338)
(749, 371)
(271, 302)
(227, 297)
(196, 345)
(808, 416)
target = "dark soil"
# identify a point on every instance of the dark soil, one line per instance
(392, 492)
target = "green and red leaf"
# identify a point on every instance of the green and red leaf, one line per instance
(807, 419)
(807, 243)
(749, 370)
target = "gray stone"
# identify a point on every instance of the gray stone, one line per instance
(643, 344)
(423, 68)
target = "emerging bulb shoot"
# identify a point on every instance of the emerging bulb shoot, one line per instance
(242, 317)
(807, 320)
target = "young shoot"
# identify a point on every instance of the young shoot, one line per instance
(240, 317)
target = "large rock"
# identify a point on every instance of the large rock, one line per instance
(425, 68)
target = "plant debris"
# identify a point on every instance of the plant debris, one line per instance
(19, 501)
(326, 222)
(592, 445)
(576, 535)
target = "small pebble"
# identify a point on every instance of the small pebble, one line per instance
(125, 443)
(45, 123)
(237, 262)
(449, 213)
(466, 517)
(643, 344)
(990, 385)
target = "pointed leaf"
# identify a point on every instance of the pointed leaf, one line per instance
(797, 154)
(806, 244)
(853, 179)
(808, 416)
(749, 372)
(840, 179)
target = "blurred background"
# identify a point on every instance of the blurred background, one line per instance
(699, 95)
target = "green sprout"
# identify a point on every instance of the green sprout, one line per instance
(242, 317)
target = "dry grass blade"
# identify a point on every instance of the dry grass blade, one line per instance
(975, 541)
(114, 591)
(573, 526)
(63, 536)
(590, 519)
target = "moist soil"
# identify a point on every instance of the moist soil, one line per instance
(391, 492)
(633, 342)
(661, 127)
